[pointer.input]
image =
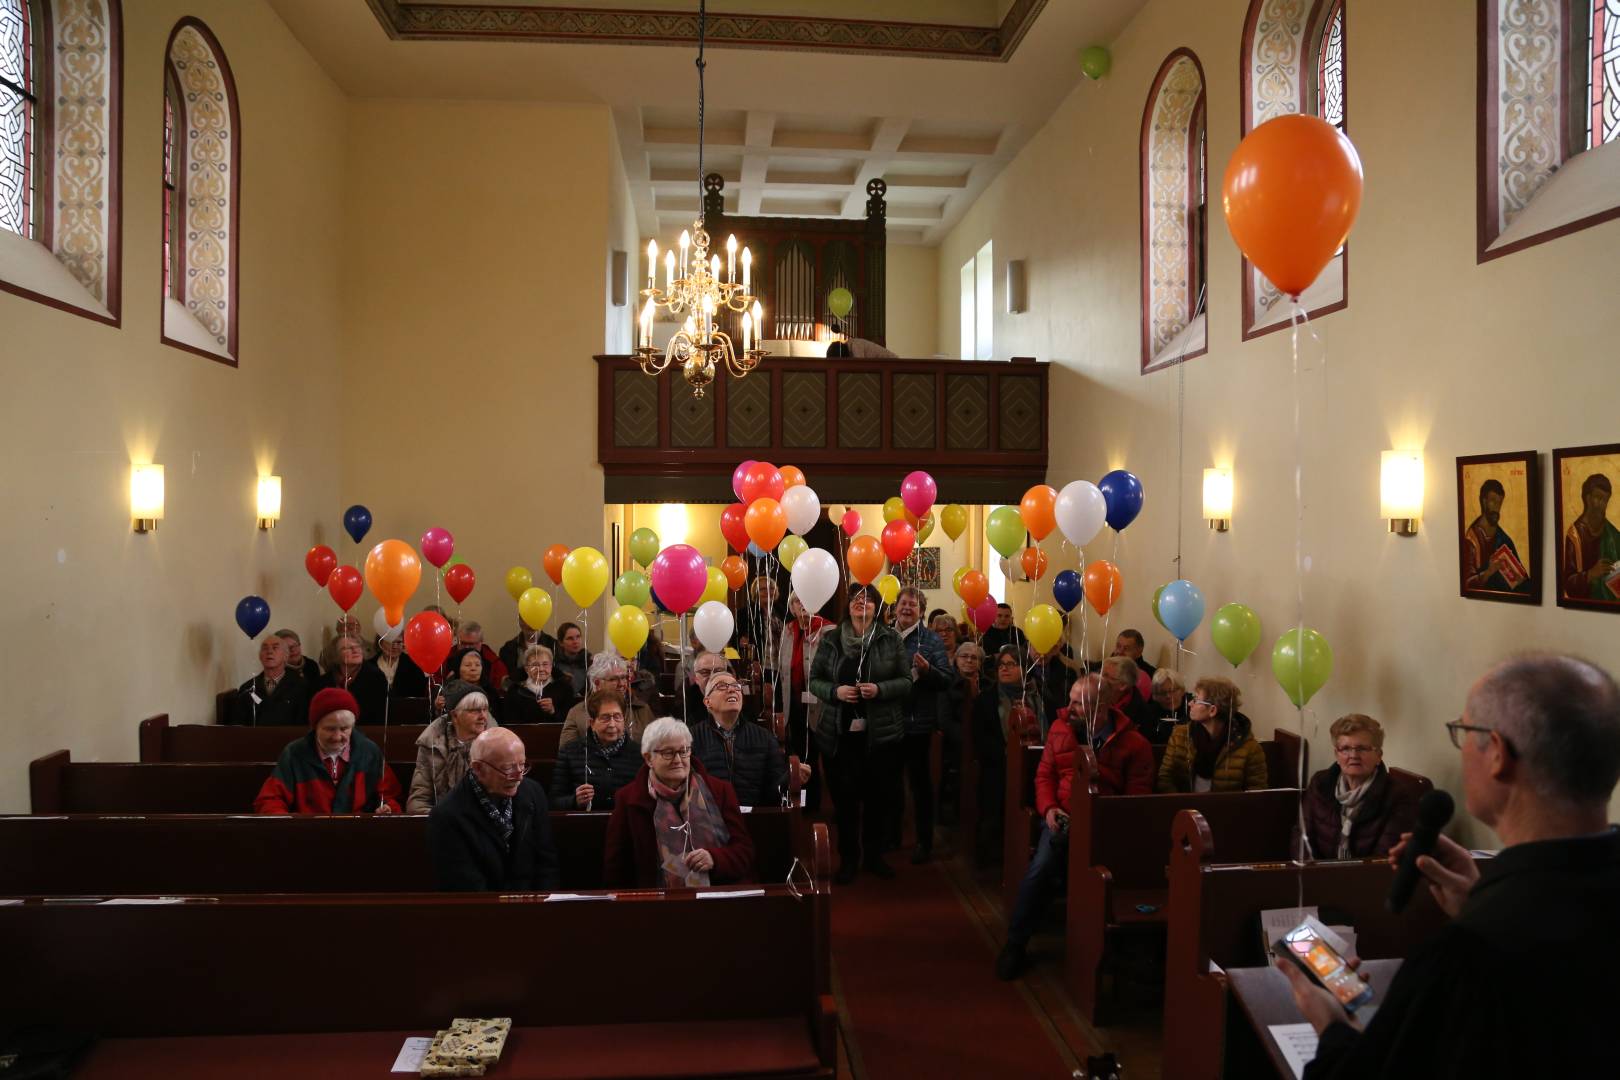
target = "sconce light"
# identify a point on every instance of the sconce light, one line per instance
(146, 496)
(269, 501)
(1218, 498)
(1401, 490)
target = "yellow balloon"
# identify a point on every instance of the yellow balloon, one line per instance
(888, 587)
(627, 629)
(956, 583)
(1043, 626)
(894, 509)
(716, 588)
(925, 526)
(534, 607)
(517, 580)
(953, 519)
(789, 550)
(585, 575)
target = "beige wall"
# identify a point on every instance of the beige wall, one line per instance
(100, 626)
(1434, 351)
(911, 300)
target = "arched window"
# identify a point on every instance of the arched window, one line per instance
(1174, 222)
(1293, 61)
(1549, 122)
(60, 191)
(201, 195)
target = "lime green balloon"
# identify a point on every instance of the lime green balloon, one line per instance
(633, 589)
(1096, 61)
(1302, 661)
(1235, 629)
(644, 546)
(1156, 617)
(455, 560)
(840, 301)
(1005, 530)
(789, 550)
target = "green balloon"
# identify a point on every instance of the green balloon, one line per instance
(633, 588)
(1095, 61)
(789, 550)
(643, 547)
(455, 560)
(1005, 530)
(1156, 616)
(840, 301)
(1302, 661)
(1235, 629)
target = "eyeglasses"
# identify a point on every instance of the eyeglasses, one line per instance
(726, 688)
(1346, 751)
(1455, 727)
(674, 755)
(511, 772)
(1205, 702)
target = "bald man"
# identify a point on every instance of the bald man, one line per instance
(492, 833)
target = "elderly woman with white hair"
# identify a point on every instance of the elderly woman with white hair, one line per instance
(1167, 707)
(674, 826)
(608, 671)
(538, 695)
(442, 749)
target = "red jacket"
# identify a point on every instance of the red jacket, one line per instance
(630, 857)
(1124, 763)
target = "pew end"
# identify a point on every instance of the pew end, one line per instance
(45, 778)
(149, 737)
(1020, 822)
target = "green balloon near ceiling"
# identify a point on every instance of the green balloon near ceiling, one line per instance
(1095, 61)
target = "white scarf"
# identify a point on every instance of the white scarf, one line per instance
(1350, 799)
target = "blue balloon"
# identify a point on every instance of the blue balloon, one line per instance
(755, 550)
(252, 615)
(658, 605)
(1181, 608)
(1067, 590)
(357, 522)
(1122, 492)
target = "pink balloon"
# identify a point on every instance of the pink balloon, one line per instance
(737, 475)
(984, 616)
(437, 546)
(851, 523)
(679, 576)
(918, 492)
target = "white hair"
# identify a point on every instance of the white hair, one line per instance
(474, 698)
(666, 729)
(605, 665)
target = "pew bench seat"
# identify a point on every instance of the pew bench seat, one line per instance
(1129, 902)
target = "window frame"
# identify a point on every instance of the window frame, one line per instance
(1150, 361)
(38, 145)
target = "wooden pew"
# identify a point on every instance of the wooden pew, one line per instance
(1021, 823)
(178, 854)
(1118, 852)
(59, 785)
(1215, 919)
(161, 740)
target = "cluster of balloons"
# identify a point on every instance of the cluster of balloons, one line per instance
(1301, 659)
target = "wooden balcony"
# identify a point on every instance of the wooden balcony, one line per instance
(855, 426)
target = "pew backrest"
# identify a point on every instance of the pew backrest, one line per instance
(162, 740)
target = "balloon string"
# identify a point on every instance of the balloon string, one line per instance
(1294, 318)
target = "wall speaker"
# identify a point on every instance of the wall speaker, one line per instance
(1017, 293)
(621, 278)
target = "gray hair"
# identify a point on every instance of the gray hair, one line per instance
(533, 651)
(969, 647)
(662, 731)
(606, 665)
(291, 635)
(1561, 716)
(470, 627)
(1124, 666)
(692, 661)
(472, 700)
(1164, 677)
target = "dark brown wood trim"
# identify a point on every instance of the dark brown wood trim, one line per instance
(1557, 233)
(1465, 515)
(218, 358)
(1485, 127)
(176, 271)
(1145, 199)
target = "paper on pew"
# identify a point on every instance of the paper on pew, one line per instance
(143, 900)
(8, 903)
(579, 896)
(1297, 1043)
(730, 894)
(411, 1054)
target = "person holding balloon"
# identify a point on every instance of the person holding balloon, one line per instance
(333, 769)
(540, 698)
(996, 713)
(571, 660)
(608, 671)
(468, 666)
(399, 672)
(930, 674)
(591, 770)
(862, 677)
(365, 682)
(795, 655)
(1216, 749)
(442, 750)
(747, 756)
(513, 651)
(275, 696)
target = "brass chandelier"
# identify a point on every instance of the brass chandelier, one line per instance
(693, 287)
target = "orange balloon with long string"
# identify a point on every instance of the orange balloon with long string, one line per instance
(553, 560)
(1103, 585)
(1291, 193)
(1033, 560)
(865, 559)
(766, 522)
(1038, 510)
(735, 569)
(974, 588)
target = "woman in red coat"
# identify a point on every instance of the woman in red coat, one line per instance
(674, 826)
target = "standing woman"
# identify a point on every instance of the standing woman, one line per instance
(862, 678)
(572, 662)
(795, 655)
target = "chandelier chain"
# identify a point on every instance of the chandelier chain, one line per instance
(702, 22)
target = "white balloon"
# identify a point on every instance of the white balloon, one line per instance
(815, 576)
(803, 508)
(1081, 511)
(712, 625)
(379, 623)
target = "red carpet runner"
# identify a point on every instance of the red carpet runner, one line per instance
(916, 976)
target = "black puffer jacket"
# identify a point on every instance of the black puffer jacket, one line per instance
(584, 761)
(757, 768)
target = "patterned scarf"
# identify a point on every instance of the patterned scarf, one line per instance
(1350, 800)
(497, 809)
(685, 819)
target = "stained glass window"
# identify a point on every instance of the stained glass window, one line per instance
(1603, 111)
(1330, 68)
(16, 118)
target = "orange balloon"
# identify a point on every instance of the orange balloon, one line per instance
(735, 569)
(1292, 191)
(1103, 585)
(975, 587)
(766, 522)
(1034, 562)
(553, 559)
(865, 559)
(392, 574)
(1037, 510)
(792, 476)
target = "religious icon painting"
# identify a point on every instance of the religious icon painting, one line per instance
(920, 568)
(1584, 479)
(1499, 527)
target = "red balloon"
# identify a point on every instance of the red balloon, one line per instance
(428, 640)
(898, 540)
(320, 562)
(762, 480)
(851, 523)
(459, 581)
(345, 585)
(734, 526)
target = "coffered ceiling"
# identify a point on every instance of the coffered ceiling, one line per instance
(806, 100)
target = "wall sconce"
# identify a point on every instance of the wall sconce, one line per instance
(269, 501)
(1401, 490)
(1218, 498)
(146, 496)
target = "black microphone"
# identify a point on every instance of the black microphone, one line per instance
(1434, 810)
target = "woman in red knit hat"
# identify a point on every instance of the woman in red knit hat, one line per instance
(332, 770)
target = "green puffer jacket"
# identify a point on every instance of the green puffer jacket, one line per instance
(886, 663)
